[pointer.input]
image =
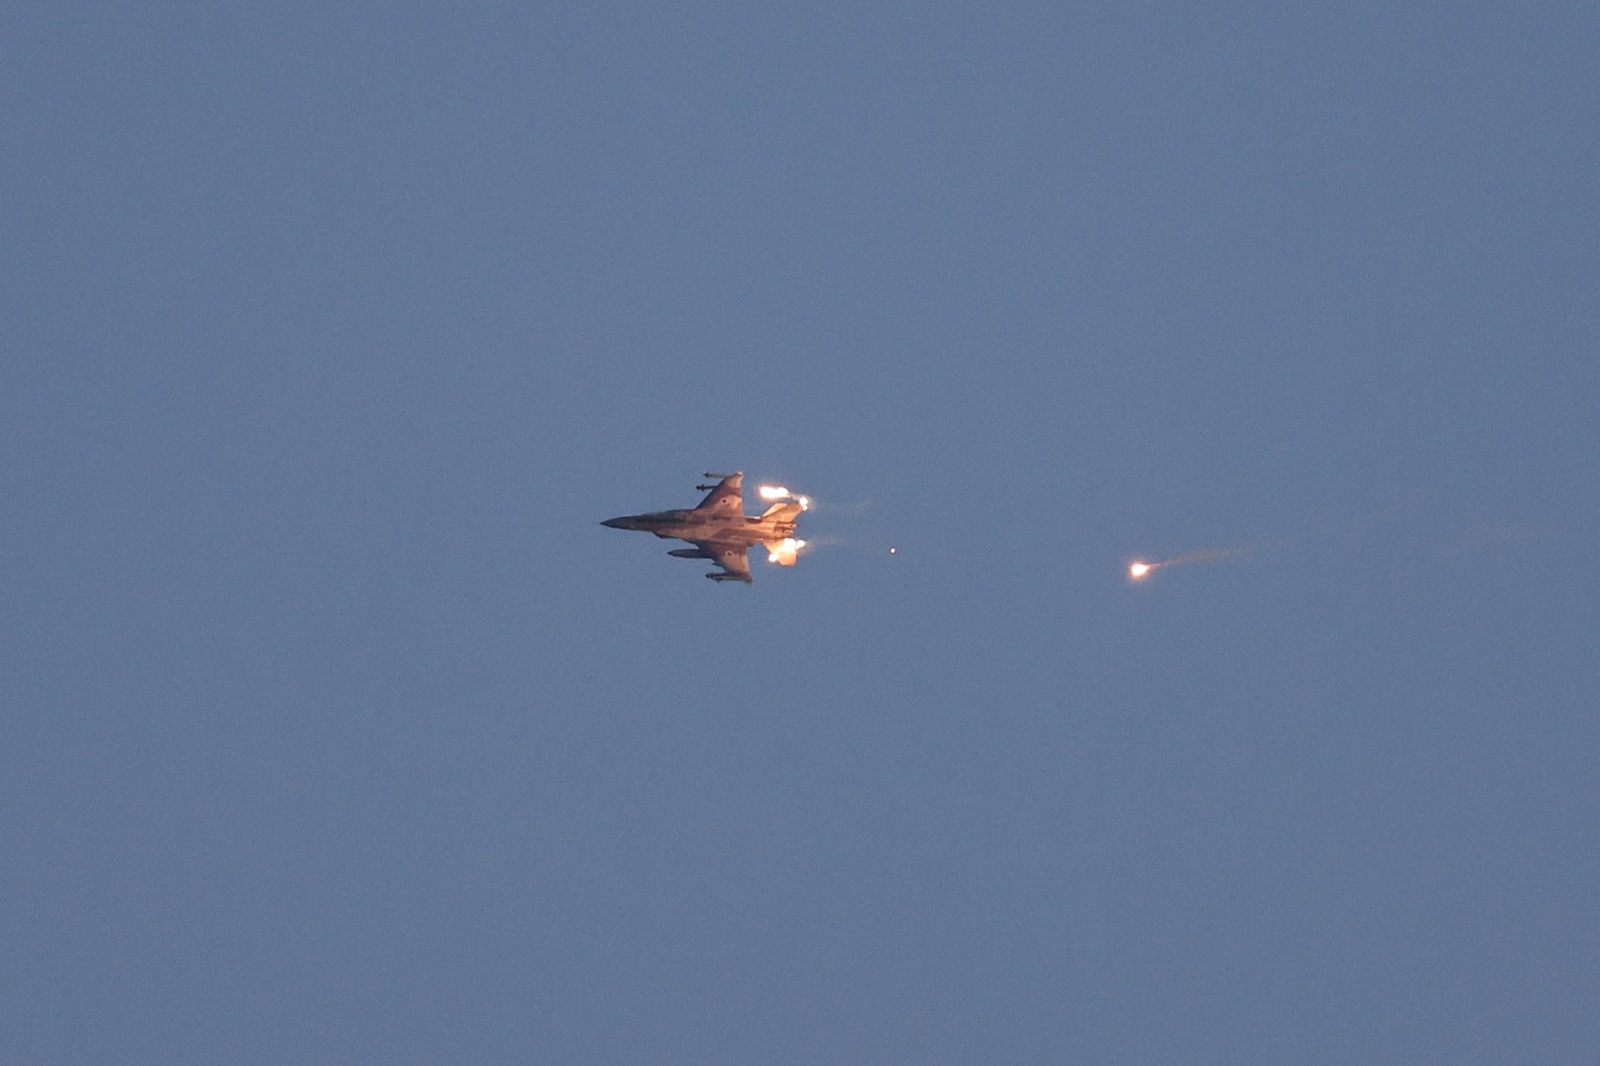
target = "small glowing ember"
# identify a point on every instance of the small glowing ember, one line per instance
(1138, 570)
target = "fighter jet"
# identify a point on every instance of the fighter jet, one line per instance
(721, 531)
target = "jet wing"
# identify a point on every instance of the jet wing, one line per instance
(726, 499)
(732, 557)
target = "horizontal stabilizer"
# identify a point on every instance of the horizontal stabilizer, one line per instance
(783, 512)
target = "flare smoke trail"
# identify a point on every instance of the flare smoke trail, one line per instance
(1138, 570)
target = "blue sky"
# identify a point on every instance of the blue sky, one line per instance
(337, 730)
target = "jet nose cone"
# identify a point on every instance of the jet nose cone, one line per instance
(616, 523)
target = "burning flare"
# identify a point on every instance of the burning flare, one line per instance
(785, 551)
(1139, 570)
(778, 492)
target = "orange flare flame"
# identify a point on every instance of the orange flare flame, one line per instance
(785, 551)
(779, 492)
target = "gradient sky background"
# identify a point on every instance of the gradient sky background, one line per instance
(337, 731)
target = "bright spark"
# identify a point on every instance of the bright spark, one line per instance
(1138, 570)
